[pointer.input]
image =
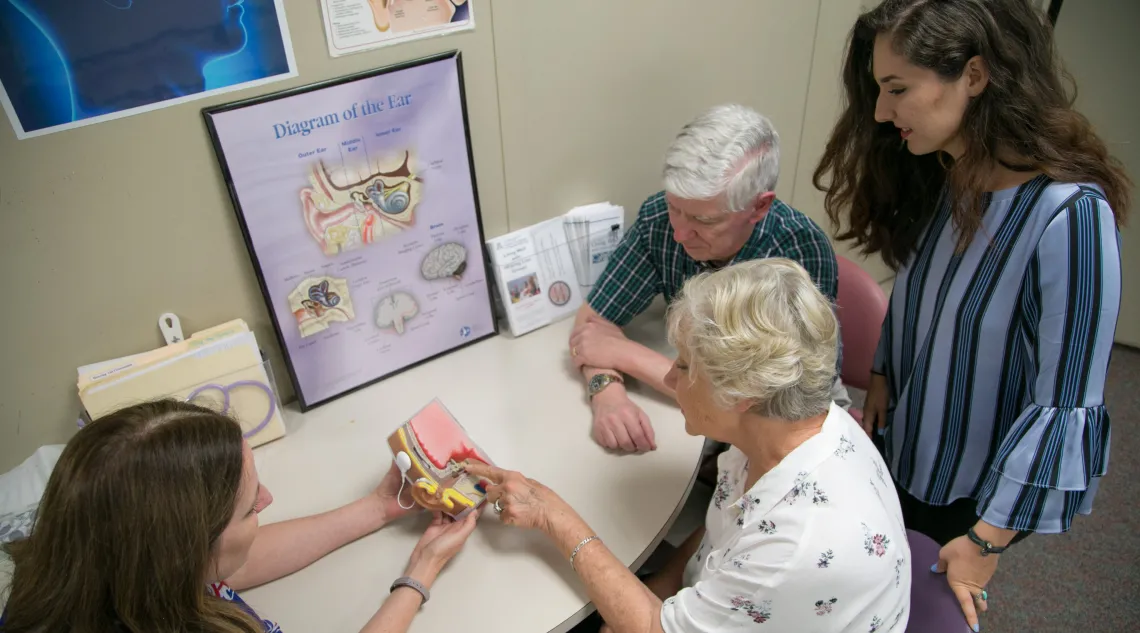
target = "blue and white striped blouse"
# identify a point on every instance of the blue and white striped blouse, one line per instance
(996, 357)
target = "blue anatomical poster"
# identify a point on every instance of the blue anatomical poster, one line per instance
(68, 63)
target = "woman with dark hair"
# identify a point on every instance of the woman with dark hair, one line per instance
(960, 160)
(149, 523)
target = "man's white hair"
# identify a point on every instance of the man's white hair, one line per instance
(728, 149)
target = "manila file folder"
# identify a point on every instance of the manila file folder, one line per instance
(226, 374)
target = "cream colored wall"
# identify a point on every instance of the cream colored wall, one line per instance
(588, 123)
(105, 227)
(1097, 40)
(822, 108)
(590, 103)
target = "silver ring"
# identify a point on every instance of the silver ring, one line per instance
(497, 508)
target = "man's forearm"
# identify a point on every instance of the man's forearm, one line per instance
(647, 366)
(283, 548)
(581, 317)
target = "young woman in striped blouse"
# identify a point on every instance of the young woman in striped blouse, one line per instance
(960, 161)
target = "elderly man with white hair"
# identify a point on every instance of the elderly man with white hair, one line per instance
(804, 531)
(718, 207)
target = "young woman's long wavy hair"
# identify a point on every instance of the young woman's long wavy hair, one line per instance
(125, 535)
(1023, 119)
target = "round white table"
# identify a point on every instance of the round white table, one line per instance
(522, 402)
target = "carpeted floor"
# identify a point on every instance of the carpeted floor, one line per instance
(1087, 580)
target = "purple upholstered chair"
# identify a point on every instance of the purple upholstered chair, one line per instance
(933, 607)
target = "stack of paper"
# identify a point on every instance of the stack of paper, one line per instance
(221, 368)
(593, 231)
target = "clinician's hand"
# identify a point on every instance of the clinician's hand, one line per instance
(619, 424)
(388, 494)
(875, 405)
(443, 539)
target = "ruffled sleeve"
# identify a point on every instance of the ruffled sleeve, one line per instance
(1048, 464)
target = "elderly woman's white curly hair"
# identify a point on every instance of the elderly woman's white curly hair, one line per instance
(759, 331)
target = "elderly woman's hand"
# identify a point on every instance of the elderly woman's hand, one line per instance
(518, 500)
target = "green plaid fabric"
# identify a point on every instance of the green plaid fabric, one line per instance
(648, 262)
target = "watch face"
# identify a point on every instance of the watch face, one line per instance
(599, 381)
(596, 382)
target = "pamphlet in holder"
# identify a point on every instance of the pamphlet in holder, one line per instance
(536, 275)
(429, 449)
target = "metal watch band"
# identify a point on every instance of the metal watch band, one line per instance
(601, 381)
(408, 581)
(987, 547)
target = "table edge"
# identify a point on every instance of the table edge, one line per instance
(588, 609)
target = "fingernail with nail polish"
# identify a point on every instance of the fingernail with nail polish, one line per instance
(934, 568)
(976, 628)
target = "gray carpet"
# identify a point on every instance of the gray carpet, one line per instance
(1087, 580)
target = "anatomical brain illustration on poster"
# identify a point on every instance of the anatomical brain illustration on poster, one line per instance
(445, 260)
(348, 207)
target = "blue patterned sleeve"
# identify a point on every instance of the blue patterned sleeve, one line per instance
(1048, 465)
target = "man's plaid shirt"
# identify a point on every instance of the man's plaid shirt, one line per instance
(649, 262)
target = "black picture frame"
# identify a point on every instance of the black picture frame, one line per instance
(482, 257)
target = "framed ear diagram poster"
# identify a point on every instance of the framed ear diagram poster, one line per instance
(358, 203)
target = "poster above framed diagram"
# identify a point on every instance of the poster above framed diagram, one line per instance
(353, 26)
(66, 63)
(358, 203)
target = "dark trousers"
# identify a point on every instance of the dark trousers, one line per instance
(941, 523)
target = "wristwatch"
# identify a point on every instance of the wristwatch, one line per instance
(987, 547)
(601, 381)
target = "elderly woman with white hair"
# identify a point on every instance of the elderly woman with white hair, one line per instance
(804, 531)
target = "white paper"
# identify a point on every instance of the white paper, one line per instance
(594, 231)
(352, 26)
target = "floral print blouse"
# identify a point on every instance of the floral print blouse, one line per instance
(817, 544)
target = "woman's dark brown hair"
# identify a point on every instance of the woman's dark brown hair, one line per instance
(1024, 119)
(125, 533)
